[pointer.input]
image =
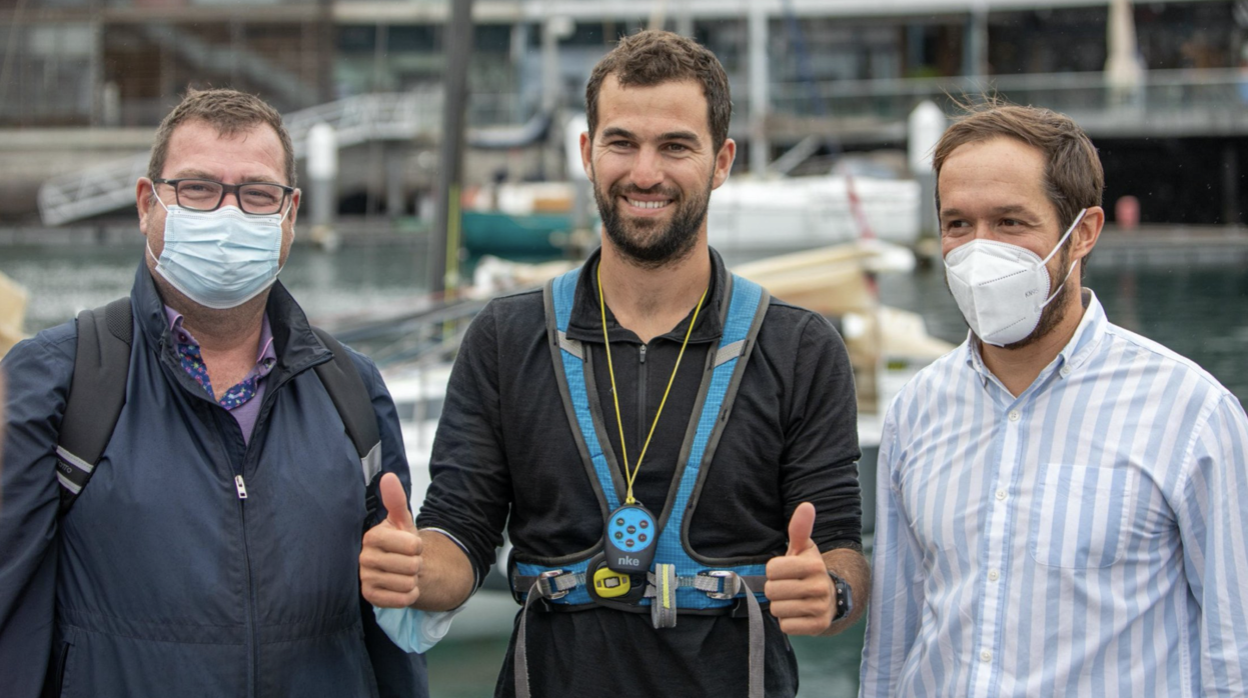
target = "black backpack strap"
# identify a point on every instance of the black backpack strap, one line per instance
(398, 673)
(96, 394)
(346, 388)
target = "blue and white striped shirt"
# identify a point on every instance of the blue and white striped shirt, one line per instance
(1087, 538)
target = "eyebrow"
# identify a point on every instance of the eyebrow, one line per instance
(193, 173)
(998, 211)
(615, 131)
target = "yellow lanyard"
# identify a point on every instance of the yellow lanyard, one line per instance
(631, 473)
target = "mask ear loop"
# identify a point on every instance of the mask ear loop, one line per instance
(148, 243)
(1057, 247)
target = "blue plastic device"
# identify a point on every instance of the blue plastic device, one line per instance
(631, 536)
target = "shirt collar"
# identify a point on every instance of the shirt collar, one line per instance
(585, 323)
(266, 356)
(1088, 334)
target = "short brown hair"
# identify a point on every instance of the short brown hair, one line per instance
(1073, 177)
(652, 57)
(228, 111)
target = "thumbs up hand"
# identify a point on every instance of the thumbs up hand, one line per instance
(390, 558)
(801, 592)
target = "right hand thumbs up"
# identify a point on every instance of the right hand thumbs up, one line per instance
(390, 557)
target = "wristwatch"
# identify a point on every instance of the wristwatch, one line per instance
(844, 597)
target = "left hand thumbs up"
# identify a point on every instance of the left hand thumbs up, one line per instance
(800, 527)
(798, 585)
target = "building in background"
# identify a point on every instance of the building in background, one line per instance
(85, 81)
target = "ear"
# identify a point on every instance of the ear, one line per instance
(723, 162)
(1084, 237)
(144, 192)
(295, 198)
(587, 150)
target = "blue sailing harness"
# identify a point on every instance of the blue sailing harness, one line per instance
(678, 581)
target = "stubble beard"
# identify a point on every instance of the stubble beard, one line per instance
(1055, 312)
(642, 242)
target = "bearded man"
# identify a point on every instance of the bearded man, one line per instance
(673, 453)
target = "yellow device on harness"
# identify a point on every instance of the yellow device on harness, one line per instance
(610, 584)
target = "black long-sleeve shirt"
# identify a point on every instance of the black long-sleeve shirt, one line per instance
(505, 448)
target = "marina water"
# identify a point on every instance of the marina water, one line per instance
(1200, 311)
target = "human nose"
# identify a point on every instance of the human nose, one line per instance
(647, 169)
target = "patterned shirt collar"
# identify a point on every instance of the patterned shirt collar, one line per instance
(192, 361)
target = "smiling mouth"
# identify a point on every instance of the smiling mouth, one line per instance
(647, 204)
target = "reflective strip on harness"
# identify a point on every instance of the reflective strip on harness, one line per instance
(572, 346)
(729, 352)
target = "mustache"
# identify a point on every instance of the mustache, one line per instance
(625, 189)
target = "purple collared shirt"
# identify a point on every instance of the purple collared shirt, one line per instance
(243, 400)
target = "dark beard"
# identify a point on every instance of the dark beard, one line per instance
(669, 245)
(1054, 312)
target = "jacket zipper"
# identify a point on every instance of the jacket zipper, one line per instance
(642, 424)
(240, 487)
(251, 600)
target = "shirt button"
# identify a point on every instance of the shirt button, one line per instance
(985, 656)
(1065, 371)
(1001, 495)
(993, 575)
(1015, 416)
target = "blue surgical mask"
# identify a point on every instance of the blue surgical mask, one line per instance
(414, 630)
(220, 259)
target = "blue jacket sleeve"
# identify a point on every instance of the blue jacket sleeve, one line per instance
(37, 374)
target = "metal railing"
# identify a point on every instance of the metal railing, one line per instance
(888, 100)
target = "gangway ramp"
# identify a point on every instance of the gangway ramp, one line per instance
(110, 186)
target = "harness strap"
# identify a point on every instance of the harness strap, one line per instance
(661, 612)
(717, 584)
(662, 594)
(554, 582)
(538, 590)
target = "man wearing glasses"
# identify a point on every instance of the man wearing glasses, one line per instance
(215, 551)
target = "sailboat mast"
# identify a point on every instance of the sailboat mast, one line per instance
(444, 246)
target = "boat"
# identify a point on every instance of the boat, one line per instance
(12, 311)
(800, 213)
(522, 220)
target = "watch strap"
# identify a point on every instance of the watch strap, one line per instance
(844, 597)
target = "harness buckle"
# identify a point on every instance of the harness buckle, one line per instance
(730, 581)
(544, 581)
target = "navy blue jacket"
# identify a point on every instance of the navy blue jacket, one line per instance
(160, 581)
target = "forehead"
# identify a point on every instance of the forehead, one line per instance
(997, 172)
(677, 105)
(252, 153)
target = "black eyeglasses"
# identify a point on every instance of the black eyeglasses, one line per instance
(257, 198)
